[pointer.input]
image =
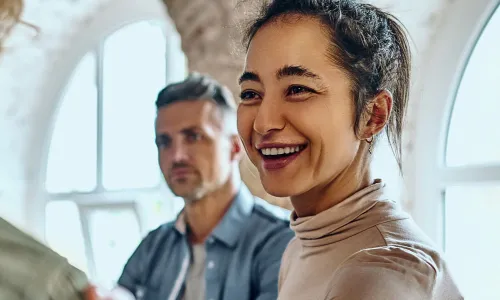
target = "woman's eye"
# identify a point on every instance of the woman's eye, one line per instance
(248, 95)
(297, 89)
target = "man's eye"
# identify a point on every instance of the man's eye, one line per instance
(249, 95)
(162, 143)
(193, 137)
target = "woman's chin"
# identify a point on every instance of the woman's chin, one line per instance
(278, 193)
(277, 189)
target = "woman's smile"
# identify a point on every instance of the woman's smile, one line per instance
(276, 156)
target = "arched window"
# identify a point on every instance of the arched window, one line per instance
(104, 186)
(470, 180)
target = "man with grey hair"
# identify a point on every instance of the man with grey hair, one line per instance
(225, 243)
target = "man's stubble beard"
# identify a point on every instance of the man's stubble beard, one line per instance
(194, 197)
(196, 192)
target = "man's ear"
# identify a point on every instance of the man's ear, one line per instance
(236, 147)
(376, 115)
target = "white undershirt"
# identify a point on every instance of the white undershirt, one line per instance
(195, 279)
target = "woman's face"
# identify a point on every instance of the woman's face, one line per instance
(296, 117)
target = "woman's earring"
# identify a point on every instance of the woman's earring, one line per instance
(370, 141)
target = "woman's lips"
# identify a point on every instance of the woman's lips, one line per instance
(275, 158)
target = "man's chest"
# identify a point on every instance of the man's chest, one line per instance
(226, 273)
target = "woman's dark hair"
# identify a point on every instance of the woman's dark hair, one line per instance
(369, 44)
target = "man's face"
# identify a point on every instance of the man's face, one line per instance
(195, 154)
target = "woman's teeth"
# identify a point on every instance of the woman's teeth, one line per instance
(279, 151)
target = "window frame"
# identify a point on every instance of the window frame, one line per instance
(100, 197)
(427, 173)
(468, 174)
(99, 70)
(85, 211)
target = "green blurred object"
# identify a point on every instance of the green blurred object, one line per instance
(30, 270)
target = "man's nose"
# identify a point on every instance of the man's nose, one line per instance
(180, 152)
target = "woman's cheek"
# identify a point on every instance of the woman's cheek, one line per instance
(242, 123)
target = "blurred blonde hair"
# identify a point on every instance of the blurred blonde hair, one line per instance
(10, 13)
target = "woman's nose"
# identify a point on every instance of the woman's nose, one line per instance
(269, 117)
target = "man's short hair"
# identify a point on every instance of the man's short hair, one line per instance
(201, 87)
(196, 87)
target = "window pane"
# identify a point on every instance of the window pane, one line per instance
(64, 232)
(472, 239)
(473, 136)
(115, 234)
(134, 73)
(158, 208)
(72, 155)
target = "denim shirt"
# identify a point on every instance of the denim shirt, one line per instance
(243, 255)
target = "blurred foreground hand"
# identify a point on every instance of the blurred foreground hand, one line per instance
(94, 293)
(30, 270)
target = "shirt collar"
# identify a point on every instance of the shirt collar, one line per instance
(229, 228)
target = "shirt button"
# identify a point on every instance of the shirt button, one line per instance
(210, 240)
(211, 265)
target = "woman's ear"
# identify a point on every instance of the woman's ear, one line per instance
(376, 115)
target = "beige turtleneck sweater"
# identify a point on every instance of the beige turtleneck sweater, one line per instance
(363, 248)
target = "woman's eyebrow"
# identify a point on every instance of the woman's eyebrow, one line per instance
(283, 72)
(297, 70)
(249, 76)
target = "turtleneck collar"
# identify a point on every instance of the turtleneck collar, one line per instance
(360, 211)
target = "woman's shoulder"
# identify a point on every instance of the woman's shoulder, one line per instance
(291, 251)
(393, 272)
(397, 258)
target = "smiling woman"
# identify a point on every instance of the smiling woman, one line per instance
(310, 86)
(322, 80)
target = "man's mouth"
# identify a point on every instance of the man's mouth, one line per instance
(180, 172)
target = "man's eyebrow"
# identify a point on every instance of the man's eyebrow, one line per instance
(248, 76)
(298, 70)
(190, 129)
(187, 130)
(162, 135)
